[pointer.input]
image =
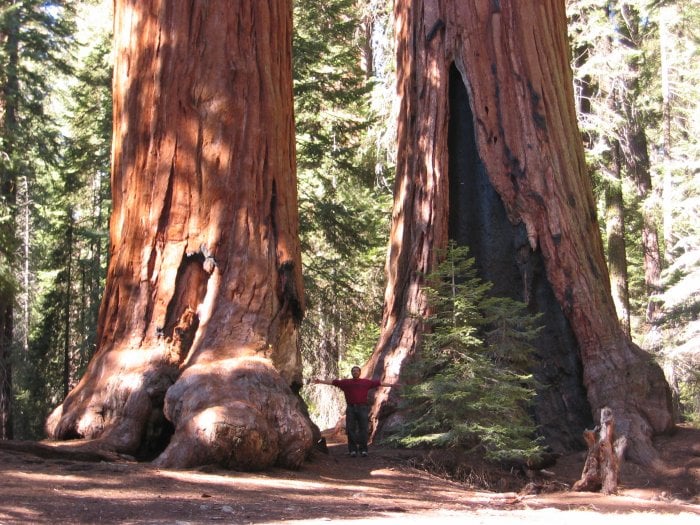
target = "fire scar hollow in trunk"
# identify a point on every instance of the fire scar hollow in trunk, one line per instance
(198, 359)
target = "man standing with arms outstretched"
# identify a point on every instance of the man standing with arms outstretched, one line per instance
(356, 391)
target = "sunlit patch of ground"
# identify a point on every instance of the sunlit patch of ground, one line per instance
(381, 489)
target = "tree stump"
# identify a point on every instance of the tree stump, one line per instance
(601, 471)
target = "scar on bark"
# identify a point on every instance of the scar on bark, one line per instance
(179, 330)
(190, 288)
(287, 292)
(286, 286)
(439, 24)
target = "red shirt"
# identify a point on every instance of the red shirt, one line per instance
(356, 390)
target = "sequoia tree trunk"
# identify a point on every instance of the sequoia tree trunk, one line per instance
(198, 324)
(489, 154)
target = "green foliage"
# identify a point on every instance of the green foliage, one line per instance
(35, 46)
(344, 203)
(637, 61)
(39, 376)
(690, 397)
(679, 325)
(35, 49)
(34, 39)
(471, 387)
(358, 349)
(343, 213)
(68, 248)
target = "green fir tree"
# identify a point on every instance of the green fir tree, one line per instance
(69, 214)
(470, 387)
(344, 209)
(35, 45)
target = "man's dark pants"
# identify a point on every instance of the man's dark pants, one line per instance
(357, 427)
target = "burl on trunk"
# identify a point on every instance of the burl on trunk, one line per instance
(198, 326)
(490, 155)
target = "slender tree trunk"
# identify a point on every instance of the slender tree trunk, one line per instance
(8, 198)
(26, 265)
(636, 157)
(617, 250)
(6, 423)
(67, 361)
(517, 135)
(666, 14)
(204, 294)
(367, 29)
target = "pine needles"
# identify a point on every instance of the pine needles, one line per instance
(470, 384)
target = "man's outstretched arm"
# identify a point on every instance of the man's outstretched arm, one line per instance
(317, 381)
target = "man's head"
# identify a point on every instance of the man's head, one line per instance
(355, 371)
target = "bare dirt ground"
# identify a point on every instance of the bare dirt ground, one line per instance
(384, 488)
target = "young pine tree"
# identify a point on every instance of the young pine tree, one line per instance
(471, 386)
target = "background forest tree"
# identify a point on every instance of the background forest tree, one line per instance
(637, 95)
(344, 187)
(36, 39)
(635, 64)
(62, 107)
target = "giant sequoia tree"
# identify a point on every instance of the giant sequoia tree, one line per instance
(197, 328)
(490, 156)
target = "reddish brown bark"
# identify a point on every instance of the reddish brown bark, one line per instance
(204, 291)
(513, 60)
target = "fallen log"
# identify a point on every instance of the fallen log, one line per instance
(601, 471)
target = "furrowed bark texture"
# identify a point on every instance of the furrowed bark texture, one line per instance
(490, 155)
(204, 292)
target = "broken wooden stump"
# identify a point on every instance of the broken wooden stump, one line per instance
(601, 471)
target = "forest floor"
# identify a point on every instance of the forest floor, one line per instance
(387, 487)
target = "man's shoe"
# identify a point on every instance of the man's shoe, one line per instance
(353, 454)
(363, 454)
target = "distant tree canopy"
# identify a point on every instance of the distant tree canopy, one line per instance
(636, 74)
(343, 206)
